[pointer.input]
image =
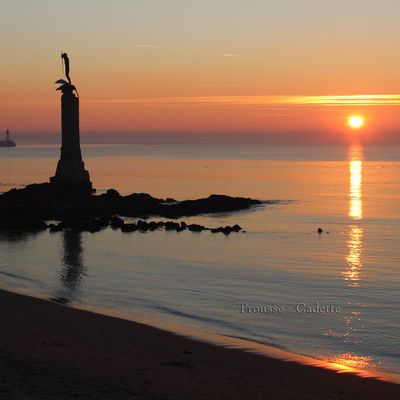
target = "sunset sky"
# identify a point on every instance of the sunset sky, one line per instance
(202, 66)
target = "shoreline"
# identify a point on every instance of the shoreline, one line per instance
(239, 343)
(48, 350)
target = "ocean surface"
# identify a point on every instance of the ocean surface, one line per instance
(332, 297)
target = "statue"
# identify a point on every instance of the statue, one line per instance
(64, 56)
(66, 86)
(70, 168)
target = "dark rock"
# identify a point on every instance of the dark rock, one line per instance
(142, 225)
(22, 223)
(88, 224)
(196, 228)
(212, 204)
(320, 230)
(129, 228)
(102, 222)
(55, 228)
(111, 194)
(169, 226)
(227, 229)
(142, 198)
(27, 208)
(116, 222)
(153, 226)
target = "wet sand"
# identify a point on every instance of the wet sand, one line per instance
(50, 351)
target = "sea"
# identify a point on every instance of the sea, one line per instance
(278, 287)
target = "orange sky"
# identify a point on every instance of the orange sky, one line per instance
(184, 65)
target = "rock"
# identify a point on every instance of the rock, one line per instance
(320, 230)
(26, 209)
(227, 229)
(236, 228)
(112, 194)
(116, 222)
(102, 222)
(169, 226)
(22, 223)
(143, 226)
(212, 204)
(196, 228)
(48, 202)
(79, 224)
(55, 228)
(153, 226)
(129, 228)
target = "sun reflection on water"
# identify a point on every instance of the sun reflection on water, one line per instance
(354, 256)
(355, 191)
(355, 239)
(348, 361)
(353, 360)
(355, 209)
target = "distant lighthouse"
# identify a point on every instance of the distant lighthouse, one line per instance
(8, 142)
(70, 173)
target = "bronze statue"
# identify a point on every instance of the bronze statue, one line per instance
(64, 56)
(66, 86)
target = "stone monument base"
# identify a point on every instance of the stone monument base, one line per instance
(71, 168)
(71, 188)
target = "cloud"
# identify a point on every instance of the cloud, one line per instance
(262, 101)
(348, 100)
(156, 46)
(32, 103)
(229, 55)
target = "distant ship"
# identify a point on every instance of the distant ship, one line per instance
(8, 142)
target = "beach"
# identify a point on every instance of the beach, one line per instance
(50, 351)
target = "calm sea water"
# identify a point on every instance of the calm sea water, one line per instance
(195, 282)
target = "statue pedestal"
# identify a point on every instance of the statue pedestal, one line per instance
(71, 173)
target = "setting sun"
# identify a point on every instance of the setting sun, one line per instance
(355, 121)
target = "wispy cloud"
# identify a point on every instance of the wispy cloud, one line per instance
(231, 84)
(348, 100)
(156, 46)
(33, 103)
(263, 101)
(229, 55)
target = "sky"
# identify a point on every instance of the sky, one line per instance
(187, 66)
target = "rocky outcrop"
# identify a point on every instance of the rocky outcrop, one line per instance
(92, 224)
(29, 208)
(48, 201)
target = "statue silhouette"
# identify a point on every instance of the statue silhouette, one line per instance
(64, 56)
(66, 87)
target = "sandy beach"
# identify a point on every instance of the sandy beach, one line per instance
(49, 351)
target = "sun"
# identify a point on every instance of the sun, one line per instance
(355, 121)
